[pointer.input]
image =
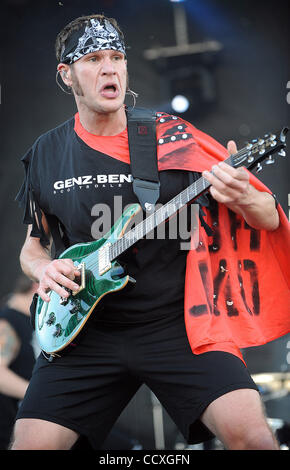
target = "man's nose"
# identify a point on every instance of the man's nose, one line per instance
(108, 66)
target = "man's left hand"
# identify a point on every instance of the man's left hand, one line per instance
(230, 185)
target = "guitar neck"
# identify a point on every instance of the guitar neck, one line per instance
(158, 217)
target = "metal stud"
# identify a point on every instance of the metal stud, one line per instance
(148, 206)
(269, 160)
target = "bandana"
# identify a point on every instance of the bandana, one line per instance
(96, 36)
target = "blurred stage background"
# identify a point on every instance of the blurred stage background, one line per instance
(236, 78)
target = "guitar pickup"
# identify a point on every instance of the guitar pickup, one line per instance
(104, 258)
(82, 280)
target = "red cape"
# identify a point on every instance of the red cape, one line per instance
(237, 281)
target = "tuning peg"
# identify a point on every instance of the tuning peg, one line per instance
(269, 160)
(282, 153)
(259, 168)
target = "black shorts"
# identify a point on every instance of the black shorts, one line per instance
(88, 387)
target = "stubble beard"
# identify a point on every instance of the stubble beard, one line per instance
(76, 87)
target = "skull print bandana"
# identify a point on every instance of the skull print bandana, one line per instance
(98, 35)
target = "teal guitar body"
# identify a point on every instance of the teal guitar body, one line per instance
(59, 321)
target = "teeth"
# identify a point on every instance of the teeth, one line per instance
(109, 90)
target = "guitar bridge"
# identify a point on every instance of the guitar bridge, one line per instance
(104, 258)
(82, 284)
(81, 269)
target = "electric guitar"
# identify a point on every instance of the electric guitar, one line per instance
(59, 321)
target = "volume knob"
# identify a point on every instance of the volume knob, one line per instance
(76, 307)
(58, 330)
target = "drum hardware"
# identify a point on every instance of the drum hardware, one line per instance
(273, 381)
(158, 424)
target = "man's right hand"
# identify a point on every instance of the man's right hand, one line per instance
(54, 276)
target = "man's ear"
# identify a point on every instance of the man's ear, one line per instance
(64, 71)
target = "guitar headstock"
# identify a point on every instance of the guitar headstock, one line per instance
(261, 149)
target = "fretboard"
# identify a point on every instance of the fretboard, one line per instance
(160, 216)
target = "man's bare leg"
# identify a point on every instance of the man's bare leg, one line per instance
(38, 434)
(238, 420)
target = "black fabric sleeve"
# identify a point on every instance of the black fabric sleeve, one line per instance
(27, 200)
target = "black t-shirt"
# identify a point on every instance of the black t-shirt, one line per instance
(74, 182)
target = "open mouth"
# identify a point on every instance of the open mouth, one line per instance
(110, 91)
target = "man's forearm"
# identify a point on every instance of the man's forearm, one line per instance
(232, 187)
(52, 275)
(33, 259)
(260, 211)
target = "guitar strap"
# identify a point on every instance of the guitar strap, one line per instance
(143, 156)
(141, 124)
